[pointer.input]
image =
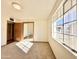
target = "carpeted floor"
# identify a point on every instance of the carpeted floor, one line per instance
(38, 51)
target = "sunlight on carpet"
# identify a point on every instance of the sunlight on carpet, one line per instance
(24, 45)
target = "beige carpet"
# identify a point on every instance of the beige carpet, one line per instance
(38, 51)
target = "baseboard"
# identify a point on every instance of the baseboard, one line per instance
(3, 45)
(39, 41)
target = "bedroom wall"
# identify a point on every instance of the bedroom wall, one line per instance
(40, 30)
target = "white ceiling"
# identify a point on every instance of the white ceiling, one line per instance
(31, 9)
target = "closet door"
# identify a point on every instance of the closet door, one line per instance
(18, 31)
(10, 32)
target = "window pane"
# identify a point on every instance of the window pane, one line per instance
(72, 14)
(70, 28)
(59, 25)
(66, 19)
(74, 2)
(67, 5)
(73, 28)
(66, 29)
(67, 40)
(61, 10)
(58, 29)
(73, 42)
(58, 37)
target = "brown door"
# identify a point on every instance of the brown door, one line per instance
(18, 31)
(10, 32)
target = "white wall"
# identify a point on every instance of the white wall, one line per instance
(40, 29)
(30, 10)
(59, 51)
(3, 32)
(34, 12)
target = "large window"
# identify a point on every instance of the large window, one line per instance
(65, 26)
(58, 30)
(70, 28)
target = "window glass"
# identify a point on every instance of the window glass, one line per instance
(59, 25)
(74, 2)
(72, 14)
(58, 29)
(73, 28)
(59, 37)
(67, 40)
(70, 28)
(66, 18)
(67, 5)
(73, 42)
(61, 10)
(66, 29)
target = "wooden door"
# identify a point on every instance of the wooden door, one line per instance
(10, 32)
(18, 31)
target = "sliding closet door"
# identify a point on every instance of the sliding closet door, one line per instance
(18, 30)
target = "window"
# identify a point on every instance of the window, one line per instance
(74, 2)
(70, 28)
(65, 26)
(67, 5)
(58, 29)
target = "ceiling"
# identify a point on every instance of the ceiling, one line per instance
(31, 9)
